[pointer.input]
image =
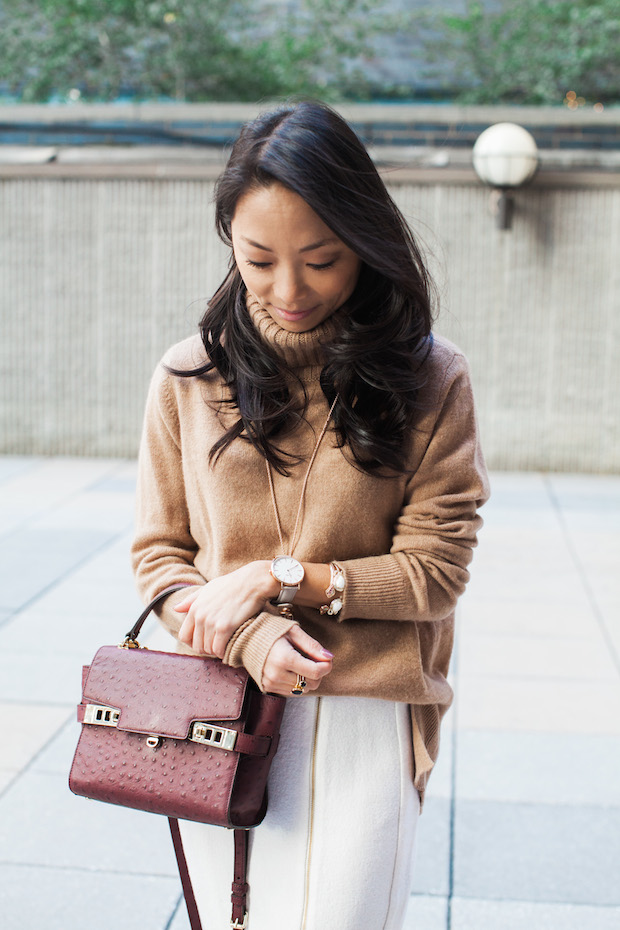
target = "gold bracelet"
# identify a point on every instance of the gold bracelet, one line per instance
(334, 590)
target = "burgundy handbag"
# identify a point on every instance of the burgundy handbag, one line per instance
(179, 735)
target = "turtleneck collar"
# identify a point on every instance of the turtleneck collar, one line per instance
(298, 350)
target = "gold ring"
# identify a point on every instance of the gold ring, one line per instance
(300, 684)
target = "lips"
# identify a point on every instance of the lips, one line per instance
(295, 314)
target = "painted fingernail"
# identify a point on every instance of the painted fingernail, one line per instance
(330, 655)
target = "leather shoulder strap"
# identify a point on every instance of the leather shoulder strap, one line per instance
(134, 631)
(188, 891)
(238, 920)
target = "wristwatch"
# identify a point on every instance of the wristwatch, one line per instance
(290, 573)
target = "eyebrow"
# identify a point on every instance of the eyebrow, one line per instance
(306, 248)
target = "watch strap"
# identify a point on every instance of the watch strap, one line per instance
(287, 594)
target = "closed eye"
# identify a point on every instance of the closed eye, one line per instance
(315, 267)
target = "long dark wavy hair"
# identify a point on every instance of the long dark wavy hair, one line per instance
(375, 362)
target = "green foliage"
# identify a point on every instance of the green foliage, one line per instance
(184, 49)
(499, 51)
(528, 52)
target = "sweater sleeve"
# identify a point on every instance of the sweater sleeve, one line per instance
(425, 572)
(252, 642)
(163, 549)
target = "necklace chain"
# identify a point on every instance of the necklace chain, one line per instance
(293, 542)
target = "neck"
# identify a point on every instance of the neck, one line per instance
(298, 350)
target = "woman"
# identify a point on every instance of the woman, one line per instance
(316, 418)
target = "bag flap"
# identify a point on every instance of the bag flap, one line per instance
(162, 692)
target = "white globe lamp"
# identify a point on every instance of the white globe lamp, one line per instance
(505, 156)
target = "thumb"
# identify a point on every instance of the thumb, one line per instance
(304, 643)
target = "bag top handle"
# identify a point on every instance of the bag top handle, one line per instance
(131, 638)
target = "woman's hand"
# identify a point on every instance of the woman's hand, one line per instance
(295, 654)
(217, 609)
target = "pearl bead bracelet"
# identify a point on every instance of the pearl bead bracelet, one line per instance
(334, 590)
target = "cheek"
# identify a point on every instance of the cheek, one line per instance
(248, 275)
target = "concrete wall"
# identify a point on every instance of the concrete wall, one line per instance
(100, 272)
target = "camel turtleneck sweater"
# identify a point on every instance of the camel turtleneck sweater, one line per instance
(404, 543)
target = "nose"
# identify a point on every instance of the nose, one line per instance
(289, 288)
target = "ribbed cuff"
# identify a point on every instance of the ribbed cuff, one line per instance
(252, 643)
(375, 587)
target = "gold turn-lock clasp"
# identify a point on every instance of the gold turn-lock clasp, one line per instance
(101, 714)
(209, 735)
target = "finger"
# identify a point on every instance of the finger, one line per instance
(285, 684)
(312, 671)
(184, 605)
(186, 631)
(284, 664)
(218, 646)
(191, 634)
(300, 682)
(288, 661)
(289, 685)
(198, 641)
(309, 646)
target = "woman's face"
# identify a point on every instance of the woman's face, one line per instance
(295, 266)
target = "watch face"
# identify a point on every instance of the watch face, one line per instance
(287, 570)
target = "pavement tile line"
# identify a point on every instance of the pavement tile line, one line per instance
(585, 581)
(453, 736)
(86, 870)
(65, 576)
(41, 472)
(38, 753)
(476, 914)
(11, 780)
(176, 912)
(21, 702)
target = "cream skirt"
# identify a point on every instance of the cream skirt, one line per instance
(335, 851)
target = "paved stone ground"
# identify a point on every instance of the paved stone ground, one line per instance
(522, 825)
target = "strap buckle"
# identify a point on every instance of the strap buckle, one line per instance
(235, 925)
(209, 735)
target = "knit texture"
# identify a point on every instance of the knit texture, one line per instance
(404, 543)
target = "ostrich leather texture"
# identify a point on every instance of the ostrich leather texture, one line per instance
(161, 694)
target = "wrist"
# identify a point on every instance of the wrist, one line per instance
(266, 584)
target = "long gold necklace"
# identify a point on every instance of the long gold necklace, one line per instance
(293, 540)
